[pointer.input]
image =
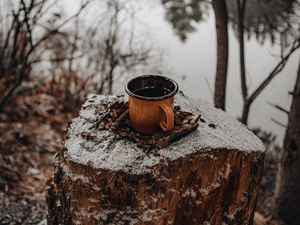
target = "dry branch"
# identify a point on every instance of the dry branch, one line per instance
(19, 52)
(278, 122)
(280, 108)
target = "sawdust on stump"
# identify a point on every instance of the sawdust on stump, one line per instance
(116, 119)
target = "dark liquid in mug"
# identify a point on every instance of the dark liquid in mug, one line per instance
(152, 92)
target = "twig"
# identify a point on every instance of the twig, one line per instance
(279, 108)
(278, 122)
(55, 30)
(121, 118)
(59, 59)
(178, 133)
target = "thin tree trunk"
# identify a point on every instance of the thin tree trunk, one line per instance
(110, 79)
(221, 18)
(71, 60)
(245, 113)
(241, 5)
(241, 17)
(288, 177)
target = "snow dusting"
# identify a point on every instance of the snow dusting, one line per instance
(110, 152)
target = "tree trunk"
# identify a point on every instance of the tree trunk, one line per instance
(246, 109)
(221, 17)
(241, 17)
(288, 179)
(212, 176)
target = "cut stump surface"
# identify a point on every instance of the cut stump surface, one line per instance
(211, 176)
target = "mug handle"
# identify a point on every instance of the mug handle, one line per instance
(166, 117)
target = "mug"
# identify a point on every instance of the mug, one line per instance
(150, 103)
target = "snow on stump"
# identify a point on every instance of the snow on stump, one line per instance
(211, 176)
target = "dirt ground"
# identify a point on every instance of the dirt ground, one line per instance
(32, 129)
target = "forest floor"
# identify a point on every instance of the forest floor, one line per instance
(32, 128)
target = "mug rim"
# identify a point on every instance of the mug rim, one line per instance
(130, 93)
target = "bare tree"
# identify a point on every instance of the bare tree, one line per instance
(277, 22)
(274, 72)
(288, 179)
(112, 51)
(20, 47)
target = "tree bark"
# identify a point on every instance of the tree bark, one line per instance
(288, 178)
(221, 18)
(212, 176)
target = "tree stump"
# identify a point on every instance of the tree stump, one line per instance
(211, 176)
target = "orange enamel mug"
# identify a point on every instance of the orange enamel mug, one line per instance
(151, 100)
